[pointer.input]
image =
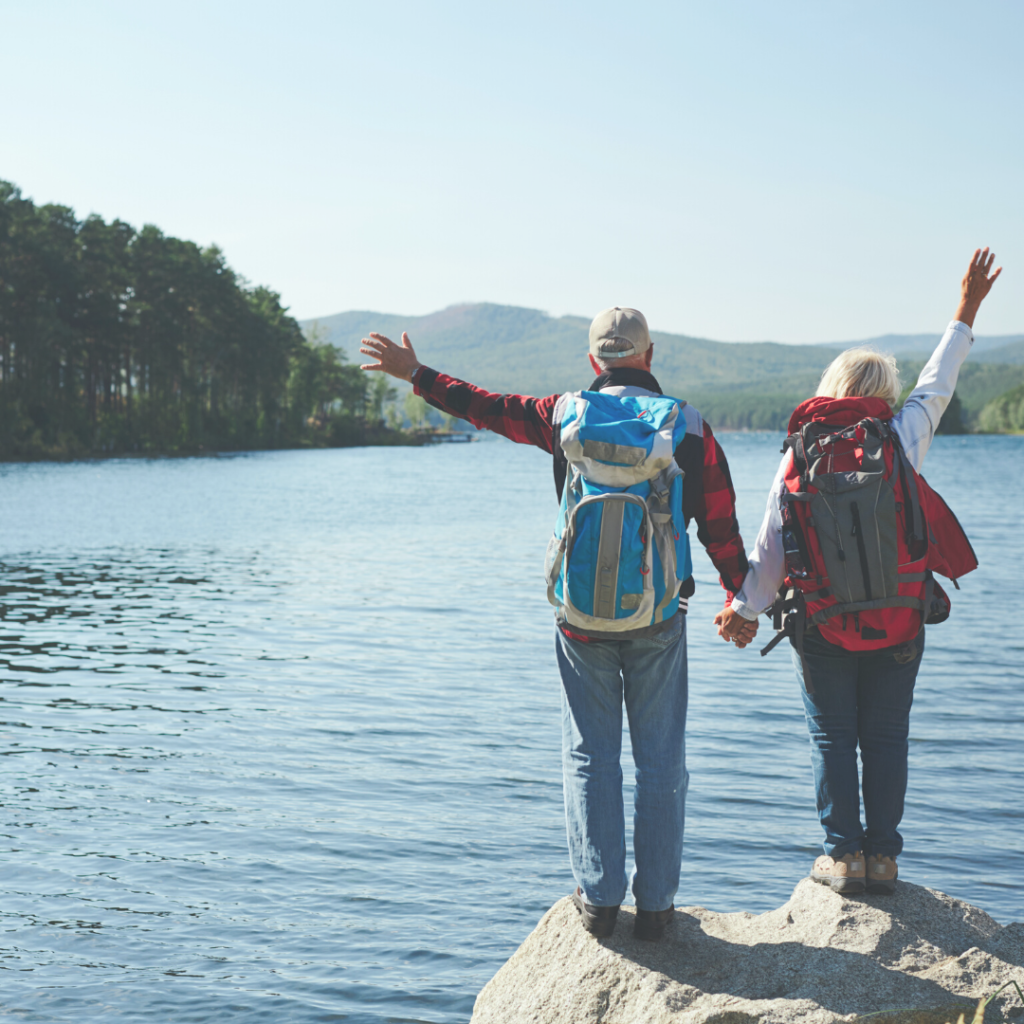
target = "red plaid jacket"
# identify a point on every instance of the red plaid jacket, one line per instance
(708, 495)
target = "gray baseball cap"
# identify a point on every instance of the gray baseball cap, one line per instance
(619, 332)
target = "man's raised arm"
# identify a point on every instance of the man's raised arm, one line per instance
(519, 418)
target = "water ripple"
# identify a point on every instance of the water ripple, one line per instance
(282, 732)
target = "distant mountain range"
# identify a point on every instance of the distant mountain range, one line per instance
(509, 348)
(995, 348)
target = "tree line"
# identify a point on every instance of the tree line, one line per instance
(1005, 414)
(114, 339)
(753, 411)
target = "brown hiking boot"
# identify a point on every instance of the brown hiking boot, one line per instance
(882, 875)
(845, 876)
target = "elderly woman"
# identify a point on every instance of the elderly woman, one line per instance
(853, 532)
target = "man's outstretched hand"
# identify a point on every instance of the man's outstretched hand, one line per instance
(976, 285)
(398, 360)
(733, 627)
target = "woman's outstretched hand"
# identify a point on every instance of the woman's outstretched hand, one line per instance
(976, 285)
(398, 360)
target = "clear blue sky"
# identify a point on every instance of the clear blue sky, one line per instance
(741, 171)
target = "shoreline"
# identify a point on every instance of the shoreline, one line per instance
(404, 439)
(400, 440)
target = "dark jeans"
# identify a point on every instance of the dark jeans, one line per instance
(860, 699)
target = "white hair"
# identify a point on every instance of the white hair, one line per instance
(862, 373)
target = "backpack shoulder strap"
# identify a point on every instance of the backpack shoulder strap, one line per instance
(908, 477)
(795, 443)
(798, 445)
(559, 460)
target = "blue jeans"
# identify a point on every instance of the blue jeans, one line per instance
(650, 675)
(860, 699)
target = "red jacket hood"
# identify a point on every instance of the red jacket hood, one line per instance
(840, 412)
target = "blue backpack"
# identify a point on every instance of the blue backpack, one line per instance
(620, 551)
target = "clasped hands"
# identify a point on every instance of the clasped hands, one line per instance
(732, 627)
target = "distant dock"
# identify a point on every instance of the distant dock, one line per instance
(445, 436)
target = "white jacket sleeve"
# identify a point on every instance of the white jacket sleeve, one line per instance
(767, 560)
(917, 421)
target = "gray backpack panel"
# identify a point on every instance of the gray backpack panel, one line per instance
(855, 522)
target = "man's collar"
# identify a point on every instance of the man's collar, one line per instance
(626, 377)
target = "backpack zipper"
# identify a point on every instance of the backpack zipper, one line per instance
(861, 550)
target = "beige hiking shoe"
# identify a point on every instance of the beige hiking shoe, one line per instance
(882, 875)
(845, 876)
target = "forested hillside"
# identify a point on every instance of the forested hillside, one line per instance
(508, 348)
(1004, 414)
(991, 348)
(736, 385)
(114, 339)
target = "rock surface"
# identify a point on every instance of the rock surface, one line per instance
(818, 958)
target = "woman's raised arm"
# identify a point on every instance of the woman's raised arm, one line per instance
(918, 420)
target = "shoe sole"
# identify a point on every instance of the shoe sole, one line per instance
(649, 934)
(843, 886)
(882, 888)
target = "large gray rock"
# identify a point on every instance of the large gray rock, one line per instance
(817, 959)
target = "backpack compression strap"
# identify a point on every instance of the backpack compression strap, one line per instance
(790, 620)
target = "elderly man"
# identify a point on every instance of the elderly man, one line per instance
(646, 666)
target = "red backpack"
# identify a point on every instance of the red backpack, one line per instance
(862, 532)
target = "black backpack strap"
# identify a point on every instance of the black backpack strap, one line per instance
(789, 615)
(915, 526)
(795, 441)
(776, 640)
(559, 463)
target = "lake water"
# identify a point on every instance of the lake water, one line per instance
(281, 730)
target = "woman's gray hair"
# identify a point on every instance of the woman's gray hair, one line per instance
(862, 373)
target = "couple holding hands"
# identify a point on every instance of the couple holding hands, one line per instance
(845, 560)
